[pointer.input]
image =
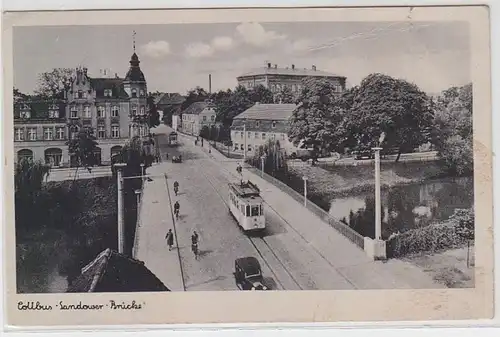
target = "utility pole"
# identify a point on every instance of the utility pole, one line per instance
(378, 206)
(121, 215)
(305, 190)
(245, 142)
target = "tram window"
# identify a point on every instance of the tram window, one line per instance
(255, 210)
(248, 211)
(261, 210)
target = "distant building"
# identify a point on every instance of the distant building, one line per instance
(263, 122)
(114, 272)
(198, 115)
(114, 107)
(170, 104)
(275, 78)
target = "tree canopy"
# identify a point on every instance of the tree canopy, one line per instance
(393, 106)
(317, 123)
(197, 94)
(153, 117)
(53, 83)
(83, 146)
(285, 96)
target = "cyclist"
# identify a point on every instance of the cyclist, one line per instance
(177, 207)
(176, 187)
(194, 244)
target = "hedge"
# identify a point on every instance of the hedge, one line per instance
(454, 233)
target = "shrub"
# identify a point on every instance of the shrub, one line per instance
(433, 238)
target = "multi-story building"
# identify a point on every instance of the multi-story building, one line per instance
(261, 123)
(115, 108)
(198, 115)
(276, 78)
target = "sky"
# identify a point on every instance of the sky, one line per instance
(176, 58)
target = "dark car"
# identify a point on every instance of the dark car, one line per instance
(363, 154)
(248, 274)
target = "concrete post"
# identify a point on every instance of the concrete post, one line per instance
(142, 173)
(245, 143)
(378, 204)
(262, 165)
(121, 215)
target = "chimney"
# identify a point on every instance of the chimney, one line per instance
(85, 71)
(314, 67)
(209, 84)
(293, 66)
(269, 65)
(275, 66)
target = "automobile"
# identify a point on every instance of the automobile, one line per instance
(363, 154)
(176, 159)
(248, 274)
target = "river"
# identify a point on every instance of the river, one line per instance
(407, 206)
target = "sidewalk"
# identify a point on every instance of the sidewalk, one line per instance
(343, 255)
(155, 220)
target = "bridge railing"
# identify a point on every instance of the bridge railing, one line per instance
(342, 228)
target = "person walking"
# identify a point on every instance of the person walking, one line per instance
(170, 239)
(194, 244)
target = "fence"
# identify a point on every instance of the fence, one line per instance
(343, 229)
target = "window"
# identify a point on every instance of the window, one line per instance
(101, 112)
(242, 148)
(257, 123)
(86, 112)
(115, 111)
(115, 132)
(263, 135)
(19, 134)
(236, 147)
(73, 131)
(141, 93)
(204, 118)
(273, 136)
(134, 92)
(282, 136)
(32, 133)
(25, 114)
(212, 118)
(48, 133)
(249, 148)
(101, 131)
(255, 210)
(274, 124)
(59, 133)
(256, 135)
(108, 92)
(142, 111)
(134, 110)
(241, 134)
(247, 210)
(249, 135)
(74, 112)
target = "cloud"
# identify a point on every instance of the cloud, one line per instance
(223, 43)
(255, 35)
(199, 50)
(156, 49)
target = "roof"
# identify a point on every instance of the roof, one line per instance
(134, 73)
(246, 189)
(114, 272)
(169, 99)
(115, 84)
(288, 72)
(39, 109)
(249, 264)
(197, 107)
(268, 112)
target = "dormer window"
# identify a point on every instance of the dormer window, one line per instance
(108, 92)
(53, 113)
(142, 110)
(81, 94)
(134, 92)
(141, 93)
(274, 124)
(25, 114)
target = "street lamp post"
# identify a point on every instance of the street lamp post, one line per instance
(378, 206)
(305, 190)
(262, 165)
(142, 172)
(245, 143)
(138, 195)
(121, 215)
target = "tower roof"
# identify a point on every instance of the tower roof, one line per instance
(134, 73)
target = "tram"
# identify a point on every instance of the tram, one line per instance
(246, 206)
(172, 138)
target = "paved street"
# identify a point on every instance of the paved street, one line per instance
(299, 250)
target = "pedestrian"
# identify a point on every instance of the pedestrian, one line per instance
(170, 239)
(167, 155)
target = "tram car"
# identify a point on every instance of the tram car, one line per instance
(246, 206)
(172, 138)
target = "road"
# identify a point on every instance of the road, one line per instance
(289, 262)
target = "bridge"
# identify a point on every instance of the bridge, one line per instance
(300, 251)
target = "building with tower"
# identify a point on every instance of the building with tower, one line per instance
(115, 108)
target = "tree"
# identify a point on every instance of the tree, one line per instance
(393, 106)
(153, 118)
(317, 123)
(204, 132)
(197, 94)
(452, 131)
(285, 96)
(83, 147)
(54, 83)
(19, 96)
(29, 176)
